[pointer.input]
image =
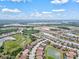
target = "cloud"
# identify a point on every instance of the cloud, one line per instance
(58, 10)
(68, 14)
(40, 15)
(77, 1)
(12, 0)
(35, 14)
(59, 1)
(45, 12)
(11, 10)
(17, 1)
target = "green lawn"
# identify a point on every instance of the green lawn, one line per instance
(12, 48)
(20, 42)
(1, 44)
(7, 31)
(9, 46)
(49, 57)
(20, 38)
(29, 32)
(77, 34)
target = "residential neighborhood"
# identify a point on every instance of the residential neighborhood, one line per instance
(38, 42)
(39, 29)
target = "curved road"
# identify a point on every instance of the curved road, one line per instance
(32, 53)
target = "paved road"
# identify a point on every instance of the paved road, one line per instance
(43, 39)
(32, 53)
(61, 39)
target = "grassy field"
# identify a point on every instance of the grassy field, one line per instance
(29, 32)
(12, 48)
(20, 42)
(1, 44)
(7, 31)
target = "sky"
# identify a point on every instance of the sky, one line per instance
(39, 9)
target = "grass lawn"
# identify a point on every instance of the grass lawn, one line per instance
(77, 34)
(9, 46)
(49, 57)
(13, 48)
(7, 31)
(29, 32)
(20, 42)
(1, 44)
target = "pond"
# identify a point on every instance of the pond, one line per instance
(51, 52)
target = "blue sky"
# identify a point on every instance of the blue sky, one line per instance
(39, 9)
